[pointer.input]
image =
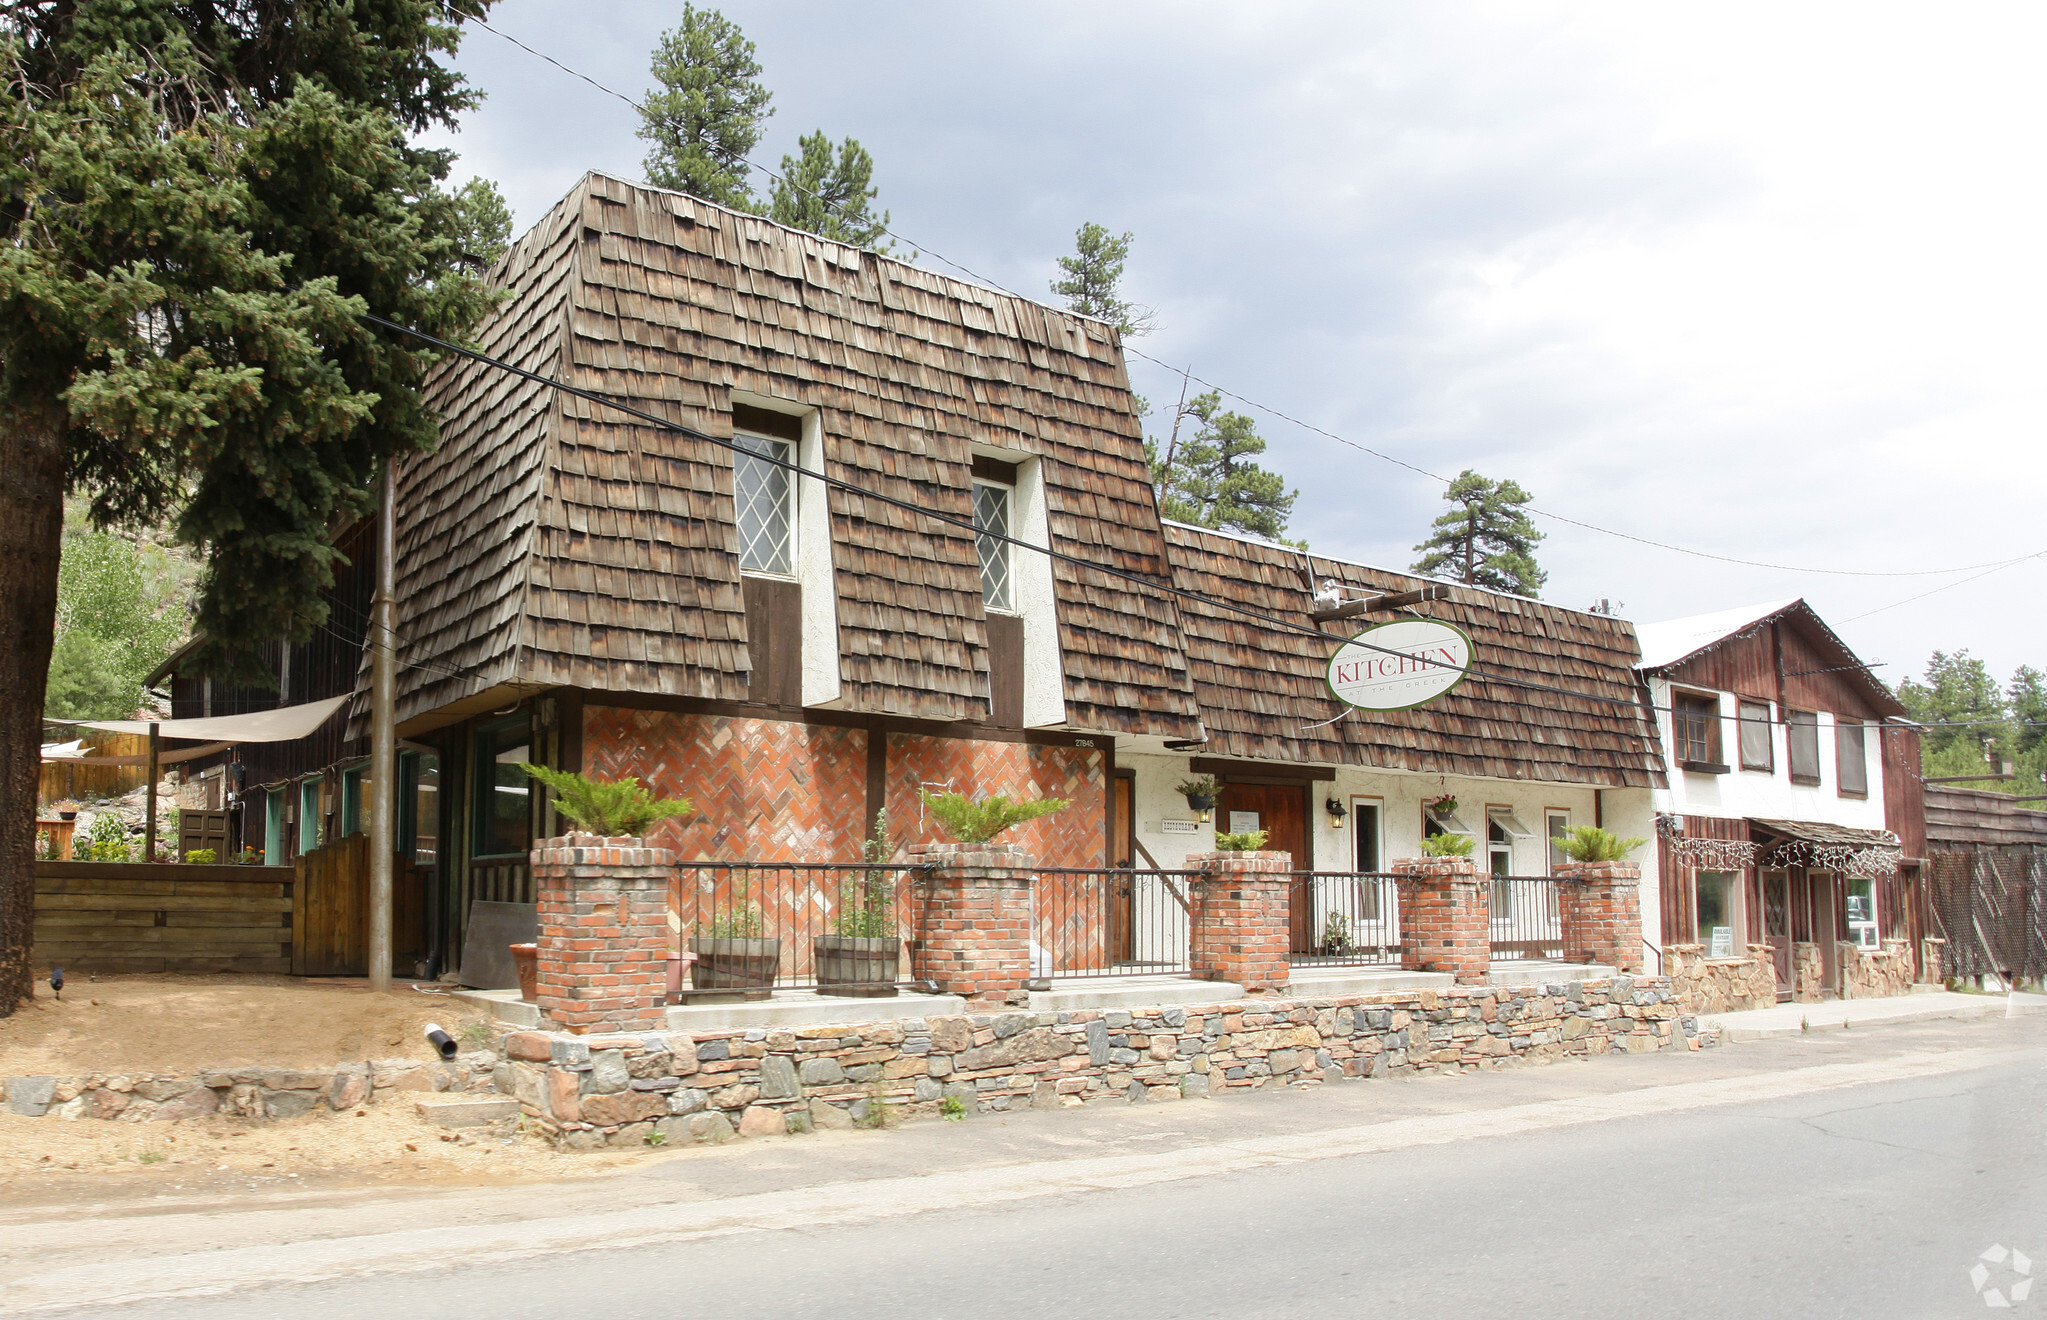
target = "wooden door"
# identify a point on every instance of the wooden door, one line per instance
(1777, 927)
(1281, 810)
(1121, 854)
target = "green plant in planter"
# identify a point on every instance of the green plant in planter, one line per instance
(1448, 845)
(1200, 786)
(1589, 843)
(609, 807)
(1337, 941)
(971, 821)
(1243, 841)
(741, 921)
(201, 856)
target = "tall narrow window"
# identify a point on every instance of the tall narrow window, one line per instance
(1364, 817)
(274, 851)
(419, 806)
(1802, 735)
(310, 831)
(1862, 913)
(503, 793)
(991, 522)
(1559, 830)
(1851, 758)
(766, 502)
(1756, 753)
(1717, 896)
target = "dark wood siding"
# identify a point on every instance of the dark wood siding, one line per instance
(774, 641)
(1904, 791)
(1005, 671)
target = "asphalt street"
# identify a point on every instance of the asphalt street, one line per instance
(1834, 1195)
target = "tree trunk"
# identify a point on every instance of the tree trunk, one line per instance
(1470, 547)
(31, 538)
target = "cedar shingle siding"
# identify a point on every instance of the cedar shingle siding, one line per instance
(548, 542)
(1260, 686)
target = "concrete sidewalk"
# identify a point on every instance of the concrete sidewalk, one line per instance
(1792, 1019)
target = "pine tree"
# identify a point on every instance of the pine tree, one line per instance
(1487, 540)
(2027, 701)
(486, 222)
(1961, 706)
(710, 110)
(1093, 274)
(829, 194)
(1209, 479)
(197, 199)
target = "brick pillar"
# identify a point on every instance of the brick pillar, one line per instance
(976, 937)
(603, 933)
(1445, 917)
(1600, 910)
(1240, 926)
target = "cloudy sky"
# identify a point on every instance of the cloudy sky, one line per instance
(1762, 282)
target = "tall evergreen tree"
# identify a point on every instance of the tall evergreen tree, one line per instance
(1092, 278)
(830, 194)
(709, 113)
(2026, 699)
(1209, 480)
(1486, 540)
(197, 199)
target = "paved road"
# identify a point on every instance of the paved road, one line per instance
(1808, 1190)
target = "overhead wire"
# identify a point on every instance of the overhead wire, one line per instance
(926, 250)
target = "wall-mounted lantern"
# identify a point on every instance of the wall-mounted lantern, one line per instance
(1337, 811)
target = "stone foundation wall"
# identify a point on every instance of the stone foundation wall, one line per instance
(1873, 974)
(1721, 985)
(668, 1088)
(1808, 973)
(253, 1092)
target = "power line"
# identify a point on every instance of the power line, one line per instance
(1287, 417)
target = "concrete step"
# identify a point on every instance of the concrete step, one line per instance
(806, 1008)
(1131, 992)
(1331, 982)
(466, 1110)
(1532, 972)
(1852, 1014)
(504, 1005)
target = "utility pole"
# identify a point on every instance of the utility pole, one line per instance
(383, 740)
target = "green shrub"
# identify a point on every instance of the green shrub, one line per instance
(609, 807)
(201, 856)
(1589, 843)
(1448, 845)
(107, 840)
(970, 821)
(1243, 841)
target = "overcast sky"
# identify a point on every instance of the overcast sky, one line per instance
(1760, 281)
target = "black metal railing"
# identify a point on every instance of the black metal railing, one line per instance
(748, 929)
(1527, 918)
(1112, 922)
(1344, 919)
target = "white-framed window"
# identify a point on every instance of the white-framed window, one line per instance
(1719, 912)
(1862, 928)
(993, 505)
(1367, 840)
(1557, 826)
(764, 497)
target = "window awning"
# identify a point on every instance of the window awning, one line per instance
(1506, 820)
(1814, 831)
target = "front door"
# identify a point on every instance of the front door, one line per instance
(1777, 926)
(1281, 810)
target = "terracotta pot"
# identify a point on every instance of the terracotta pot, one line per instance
(526, 964)
(859, 966)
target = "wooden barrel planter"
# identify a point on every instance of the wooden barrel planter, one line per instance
(858, 966)
(728, 965)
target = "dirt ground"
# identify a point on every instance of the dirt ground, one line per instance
(183, 1023)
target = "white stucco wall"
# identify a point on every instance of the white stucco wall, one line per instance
(1771, 795)
(1044, 687)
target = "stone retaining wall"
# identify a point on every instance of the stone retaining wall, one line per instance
(253, 1092)
(1873, 974)
(667, 1088)
(1722, 985)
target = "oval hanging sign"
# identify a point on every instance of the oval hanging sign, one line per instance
(1400, 664)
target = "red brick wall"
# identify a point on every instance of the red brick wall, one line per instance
(1073, 837)
(765, 790)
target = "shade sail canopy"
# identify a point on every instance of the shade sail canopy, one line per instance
(281, 725)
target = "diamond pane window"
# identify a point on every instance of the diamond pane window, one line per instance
(991, 516)
(766, 505)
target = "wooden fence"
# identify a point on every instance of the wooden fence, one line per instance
(68, 779)
(330, 912)
(137, 917)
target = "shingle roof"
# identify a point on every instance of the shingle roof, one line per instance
(552, 543)
(1262, 688)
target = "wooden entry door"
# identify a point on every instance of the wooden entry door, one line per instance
(1281, 810)
(1777, 926)
(1122, 846)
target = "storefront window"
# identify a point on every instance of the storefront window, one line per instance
(1862, 913)
(503, 794)
(1717, 897)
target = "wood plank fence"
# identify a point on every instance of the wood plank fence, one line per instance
(330, 914)
(137, 917)
(59, 780)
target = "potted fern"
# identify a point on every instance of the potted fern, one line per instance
(1448, 845)
(861, 956)
(1589, 845)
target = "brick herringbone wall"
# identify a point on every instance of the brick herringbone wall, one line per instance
(1073, 837)
(765, 790)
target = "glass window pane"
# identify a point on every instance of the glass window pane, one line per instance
(273, 828)
(1716, 913)
(1862, 927)
(502, 789)
(763, 497)
(1559, 828)
(1851, 756)
(1803, 734)
(1755, 736)
(1366, 818)
(419, 803)
(310, 825)
(991, 514)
